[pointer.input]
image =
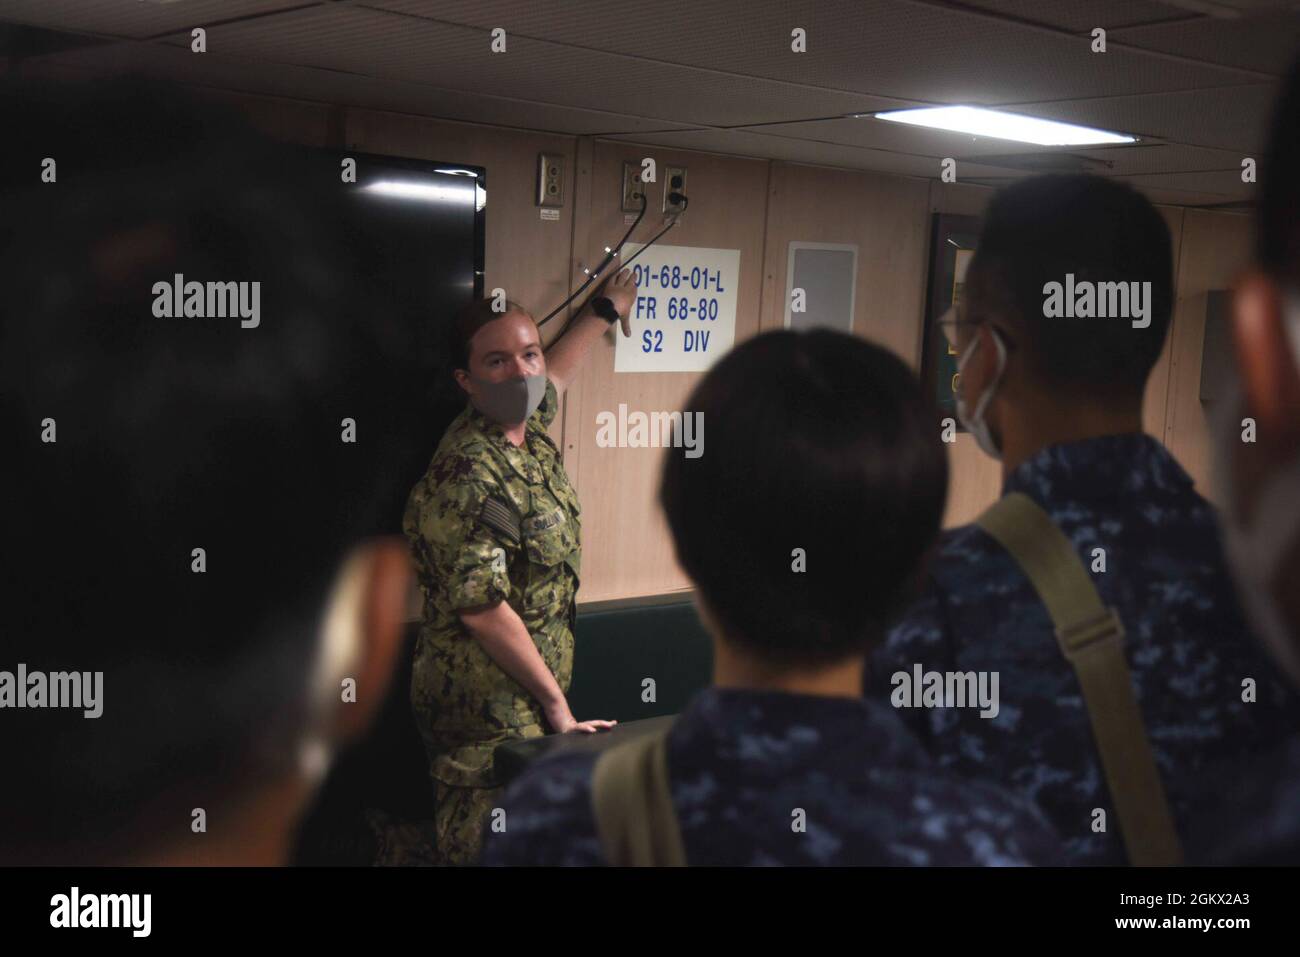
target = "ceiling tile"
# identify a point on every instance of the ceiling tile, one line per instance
(1267, 43)
(135, 18)
(718, 75)
(1083, 17)
(1232, 118)
(176, 63)
(457, 57)
(891, 48)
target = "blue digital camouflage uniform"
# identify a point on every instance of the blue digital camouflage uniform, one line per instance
(488, 522)
(1252, 811)
(1186, 643)
(742, 763)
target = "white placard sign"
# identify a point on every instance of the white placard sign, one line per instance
(685, 312)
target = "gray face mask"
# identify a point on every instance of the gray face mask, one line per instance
(511, 401)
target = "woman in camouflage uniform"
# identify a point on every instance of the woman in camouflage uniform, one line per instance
(494, 526)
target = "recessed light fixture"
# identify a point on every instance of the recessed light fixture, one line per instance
(997, 124)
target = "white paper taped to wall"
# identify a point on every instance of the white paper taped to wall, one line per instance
(684, 317)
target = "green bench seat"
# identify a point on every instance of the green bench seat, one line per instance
(617, 649)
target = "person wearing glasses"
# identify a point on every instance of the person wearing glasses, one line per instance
(1058, 399)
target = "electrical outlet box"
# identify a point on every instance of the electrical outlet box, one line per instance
(550, 180)
(632, 188)
(674, 182)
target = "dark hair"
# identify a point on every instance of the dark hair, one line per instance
(819, 441)
(1038, 230)
(174, 434)
(1277, 237)
(469, 320)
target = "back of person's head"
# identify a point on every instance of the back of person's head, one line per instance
(138, 433)
(820, 486)
(1257, 425)
(1045, 229)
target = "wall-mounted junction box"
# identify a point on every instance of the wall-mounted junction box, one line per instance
(632, 187)
(674, 182)
(550, 180)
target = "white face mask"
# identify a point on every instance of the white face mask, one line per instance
(1255, 551)
(974, 422)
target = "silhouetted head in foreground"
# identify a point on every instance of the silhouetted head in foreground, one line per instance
(820, 486)
(1257, 444)
(182, 362)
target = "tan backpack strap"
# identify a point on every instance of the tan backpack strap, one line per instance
(633, 805)
(1091, 637)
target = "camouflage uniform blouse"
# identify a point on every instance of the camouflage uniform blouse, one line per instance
(489, 521)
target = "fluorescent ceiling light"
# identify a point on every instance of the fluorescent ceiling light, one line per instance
(429, 192)
(1003, 126)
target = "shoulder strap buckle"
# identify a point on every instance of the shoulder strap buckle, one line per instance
(1105, 627)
